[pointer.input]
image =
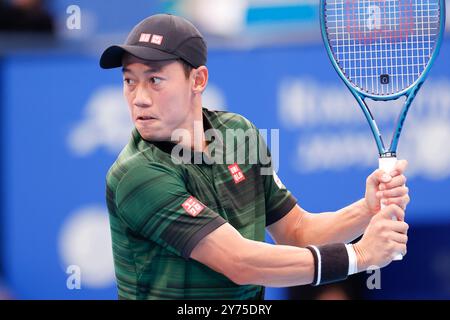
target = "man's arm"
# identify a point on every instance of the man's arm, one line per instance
(246, 261)
(251, 262)
(301, 228)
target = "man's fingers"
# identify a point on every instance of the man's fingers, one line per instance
(400, 248)
(393, 211)
(400, 201)
(401, 238)
(400, 227)
(396, 181)
(400, 168)
(378, 176)
(392, 193)
(387, 177)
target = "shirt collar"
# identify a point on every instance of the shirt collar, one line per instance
(167, 146)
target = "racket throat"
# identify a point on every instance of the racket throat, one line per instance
(387, 155)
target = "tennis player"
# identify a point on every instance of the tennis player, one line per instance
(195, 230)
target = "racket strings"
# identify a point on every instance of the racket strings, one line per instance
(382, 46)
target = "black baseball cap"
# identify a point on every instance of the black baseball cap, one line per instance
(157, 38)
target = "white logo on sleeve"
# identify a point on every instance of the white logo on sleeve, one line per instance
(278, 181)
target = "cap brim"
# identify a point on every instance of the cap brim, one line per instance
(112, 56)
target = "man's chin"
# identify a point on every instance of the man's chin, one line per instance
(152, 136)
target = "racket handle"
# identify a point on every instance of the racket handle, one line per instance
(387, 164)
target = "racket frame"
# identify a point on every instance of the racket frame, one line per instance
(360, 96)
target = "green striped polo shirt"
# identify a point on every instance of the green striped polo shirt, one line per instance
(163, 201)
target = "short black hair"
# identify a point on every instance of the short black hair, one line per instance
(187, 67)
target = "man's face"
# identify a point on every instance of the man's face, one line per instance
(159, 97)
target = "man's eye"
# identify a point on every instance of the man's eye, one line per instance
(129, 81)
(155, 80)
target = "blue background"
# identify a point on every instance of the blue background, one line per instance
(44, 97)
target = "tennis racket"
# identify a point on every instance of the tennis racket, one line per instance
(383, 50)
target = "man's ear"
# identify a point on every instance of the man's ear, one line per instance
(200, 79)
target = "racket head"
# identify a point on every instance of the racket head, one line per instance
(382, 49)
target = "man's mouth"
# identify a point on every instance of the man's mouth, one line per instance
(145, 118)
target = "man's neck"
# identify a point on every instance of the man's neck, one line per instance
(196, 139)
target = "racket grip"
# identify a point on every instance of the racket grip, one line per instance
(387, 164)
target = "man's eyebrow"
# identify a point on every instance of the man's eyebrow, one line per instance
(154, 68)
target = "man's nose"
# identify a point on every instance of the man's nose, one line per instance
(142, 98)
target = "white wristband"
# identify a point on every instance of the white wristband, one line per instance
(352, 260)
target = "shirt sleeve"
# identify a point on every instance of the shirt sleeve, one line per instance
(153, 202)
(278, 200)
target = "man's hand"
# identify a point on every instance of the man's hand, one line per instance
(383, 239)
(389, 187)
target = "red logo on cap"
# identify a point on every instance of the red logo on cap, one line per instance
(157, 39)
(192, 206)
(236, 173)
